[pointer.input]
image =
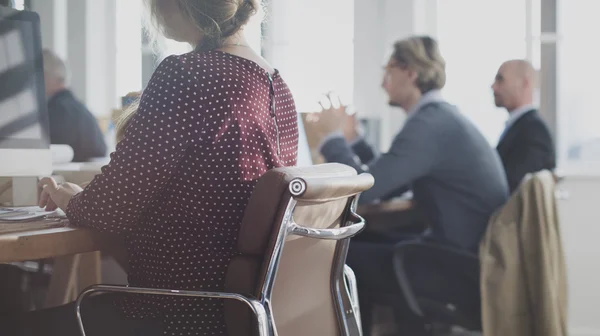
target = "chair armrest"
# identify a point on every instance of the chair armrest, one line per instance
(357, 224)
(400, 252)
(257, 308)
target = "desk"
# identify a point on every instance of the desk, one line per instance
(391, 214)
(392, 206)
(76, 253)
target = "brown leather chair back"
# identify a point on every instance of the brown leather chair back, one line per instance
(296, 270)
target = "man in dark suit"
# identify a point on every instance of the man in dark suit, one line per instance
(71, 123)
(526, 144)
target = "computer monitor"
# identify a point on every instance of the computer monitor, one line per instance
(24, 135)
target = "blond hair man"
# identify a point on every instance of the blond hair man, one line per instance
(456, 178)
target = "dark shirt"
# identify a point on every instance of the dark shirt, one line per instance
(71, 123)
(177, 186)
(456, 177)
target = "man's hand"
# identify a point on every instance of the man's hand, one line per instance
(332, 119)
(351, 128)
(56, 196)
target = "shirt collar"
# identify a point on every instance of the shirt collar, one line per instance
(432, 96)
(517, 113)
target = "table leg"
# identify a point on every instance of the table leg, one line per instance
(64, 279)
(89, 272)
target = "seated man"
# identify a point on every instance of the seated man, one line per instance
(456, 178)
(526, 145)
(71, 123)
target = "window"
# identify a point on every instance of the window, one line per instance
(136, 60)
(474, 45)
(578, 71)
(19, 4)
(311, 43)
(129, 46)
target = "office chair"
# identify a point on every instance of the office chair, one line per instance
(540, 187)
(290, 277)
(445, 313)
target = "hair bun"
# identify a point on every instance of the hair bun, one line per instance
(245, 11)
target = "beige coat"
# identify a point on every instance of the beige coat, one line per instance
(523, 274)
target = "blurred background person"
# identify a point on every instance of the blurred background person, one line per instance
(71, 123)
(526, 145)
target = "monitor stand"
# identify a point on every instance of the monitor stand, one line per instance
(25, 191)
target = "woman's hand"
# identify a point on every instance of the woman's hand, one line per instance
(56, 196)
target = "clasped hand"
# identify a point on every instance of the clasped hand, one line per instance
(334, 119)
(56, 195)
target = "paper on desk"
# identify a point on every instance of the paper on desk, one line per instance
(21, 214)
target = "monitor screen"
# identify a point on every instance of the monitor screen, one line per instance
(23, 112)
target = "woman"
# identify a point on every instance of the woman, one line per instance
(209, 124)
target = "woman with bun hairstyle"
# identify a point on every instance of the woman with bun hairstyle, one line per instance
(208, 125)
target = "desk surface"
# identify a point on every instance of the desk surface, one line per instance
(48, 239)
(397, 205)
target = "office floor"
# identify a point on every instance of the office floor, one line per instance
(384, 325)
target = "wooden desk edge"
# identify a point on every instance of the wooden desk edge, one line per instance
(51, 243)
(386, 207)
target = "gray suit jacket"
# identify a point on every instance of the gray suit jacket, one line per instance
(456, 177)
(6, 11)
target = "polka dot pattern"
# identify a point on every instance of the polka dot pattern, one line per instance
(178, 184)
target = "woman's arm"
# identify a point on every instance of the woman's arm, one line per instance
(154, 143)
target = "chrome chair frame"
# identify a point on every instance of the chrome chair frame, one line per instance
(261, 307)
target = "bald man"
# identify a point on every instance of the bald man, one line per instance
(71, 123)
(526, 144)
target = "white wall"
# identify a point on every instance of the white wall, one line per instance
(377, 25)
(580, 225)
(310, 42)
(92, 53)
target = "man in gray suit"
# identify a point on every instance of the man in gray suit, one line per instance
(456, 178)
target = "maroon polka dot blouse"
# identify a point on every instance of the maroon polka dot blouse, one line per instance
(208, 126)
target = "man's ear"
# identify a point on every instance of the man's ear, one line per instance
(528, 82)
(413, 75)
